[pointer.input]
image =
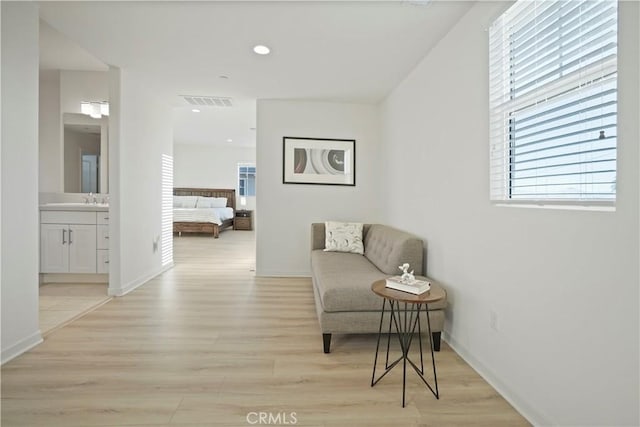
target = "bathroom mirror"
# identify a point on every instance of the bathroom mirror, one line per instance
(85, 154)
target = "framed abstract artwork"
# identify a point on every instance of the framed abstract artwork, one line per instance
(318, 161)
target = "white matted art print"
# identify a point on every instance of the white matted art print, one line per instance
(319, 161)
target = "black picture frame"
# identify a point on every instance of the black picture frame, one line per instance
(321, 161)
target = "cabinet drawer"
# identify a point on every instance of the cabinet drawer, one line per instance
(103, 261)
(103, 236)
(242, 223)
(67, 217)
(103, 217)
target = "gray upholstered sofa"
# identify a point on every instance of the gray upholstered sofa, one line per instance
(342, 281)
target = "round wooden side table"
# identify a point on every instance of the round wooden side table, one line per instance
(404, 316)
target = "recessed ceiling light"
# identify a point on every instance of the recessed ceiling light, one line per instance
(261, 49)
(195, 110)
(229, 140)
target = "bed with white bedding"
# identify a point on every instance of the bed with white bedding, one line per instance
(203, 210)
(212, 215)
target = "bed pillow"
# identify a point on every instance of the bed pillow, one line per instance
(188, 202)
(212, 202)
(343, 237)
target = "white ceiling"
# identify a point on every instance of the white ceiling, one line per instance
(332, 50)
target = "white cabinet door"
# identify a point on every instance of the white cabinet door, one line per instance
(82, 248)
(54, 248)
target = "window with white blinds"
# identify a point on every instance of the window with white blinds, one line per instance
(553, 102)
(246, 179)
(167, 210)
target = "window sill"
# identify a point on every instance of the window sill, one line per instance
(560, 205)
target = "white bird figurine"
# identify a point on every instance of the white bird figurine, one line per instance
(406, 276)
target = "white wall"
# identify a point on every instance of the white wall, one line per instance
(78, 86)
(20, 226)
(50, 133)
(563, 284)
(139, 138)
(204, 166)
(286, 211)
(116, 285)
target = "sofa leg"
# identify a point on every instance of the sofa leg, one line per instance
(436, 340)
(326, 341)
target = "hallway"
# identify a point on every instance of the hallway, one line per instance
(208, 344)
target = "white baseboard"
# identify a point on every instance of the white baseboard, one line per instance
(73, 278)
(21, 346)
(123, 290)
(520, 404)
(282, 274)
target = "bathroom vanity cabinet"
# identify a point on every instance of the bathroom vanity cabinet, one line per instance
(74, 239)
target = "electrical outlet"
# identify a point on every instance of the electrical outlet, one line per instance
(493, 320)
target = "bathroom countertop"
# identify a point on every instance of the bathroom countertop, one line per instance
(91, 207)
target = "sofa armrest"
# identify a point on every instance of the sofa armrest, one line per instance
(317, 235)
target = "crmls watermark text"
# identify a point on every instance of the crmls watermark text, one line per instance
(273, 418)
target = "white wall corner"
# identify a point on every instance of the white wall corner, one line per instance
(21, 346)
(520, 403)
(119, 291)
(19, 170)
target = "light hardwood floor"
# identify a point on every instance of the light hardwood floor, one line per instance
(61, 303)
(209, 344)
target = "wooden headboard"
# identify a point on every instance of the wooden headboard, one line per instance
(230, 194)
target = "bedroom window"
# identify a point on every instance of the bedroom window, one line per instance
(246, 179)
(553, 103)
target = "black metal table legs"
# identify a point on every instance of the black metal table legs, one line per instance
(407, 323)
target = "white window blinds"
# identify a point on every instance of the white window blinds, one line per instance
(167, 210)
(553, 102)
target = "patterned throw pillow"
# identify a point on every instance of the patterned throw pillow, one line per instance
(343, 237)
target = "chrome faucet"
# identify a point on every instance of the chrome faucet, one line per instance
(90, 198)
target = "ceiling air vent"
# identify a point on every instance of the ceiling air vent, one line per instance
(208, 101)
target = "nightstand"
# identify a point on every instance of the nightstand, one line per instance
(243, 220)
